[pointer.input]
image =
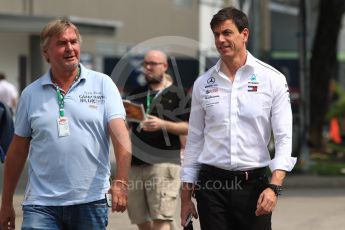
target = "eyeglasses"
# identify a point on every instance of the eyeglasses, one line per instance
(151, 63)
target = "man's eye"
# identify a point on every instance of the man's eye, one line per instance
(61, 43)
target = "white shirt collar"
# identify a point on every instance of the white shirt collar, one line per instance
(250, 62)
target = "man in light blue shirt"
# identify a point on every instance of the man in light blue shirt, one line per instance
(64, 120)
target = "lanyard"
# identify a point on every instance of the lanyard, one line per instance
(61, 101)
(150, 99)
(61, 97)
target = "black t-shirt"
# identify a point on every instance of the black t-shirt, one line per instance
(171, 104)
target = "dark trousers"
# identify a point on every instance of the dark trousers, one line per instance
(227, 200)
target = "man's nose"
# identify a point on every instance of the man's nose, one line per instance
(221, 38)
(68, 46)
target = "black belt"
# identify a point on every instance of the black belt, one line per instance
(240, 175)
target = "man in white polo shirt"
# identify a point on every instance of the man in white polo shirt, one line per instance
(63, 123)
(8, 93)
(235, 105)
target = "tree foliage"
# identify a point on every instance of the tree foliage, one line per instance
(323, 64)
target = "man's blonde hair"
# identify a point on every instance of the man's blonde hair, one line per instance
(56, 27)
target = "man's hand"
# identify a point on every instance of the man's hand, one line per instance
(266, 202)
(187, 205)
(7, 217)
(186, 209)
(155, 123)
(119, 192)
(14, 164)
(151, 124)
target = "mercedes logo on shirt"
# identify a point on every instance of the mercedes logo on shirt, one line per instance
(211, 80)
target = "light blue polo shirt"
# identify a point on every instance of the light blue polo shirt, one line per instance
(72, 169)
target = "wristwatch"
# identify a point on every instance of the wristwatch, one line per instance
(277, 189)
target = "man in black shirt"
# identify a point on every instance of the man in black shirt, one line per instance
(154, 177)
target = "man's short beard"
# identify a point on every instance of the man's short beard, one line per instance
(74, 65)
(154, 80)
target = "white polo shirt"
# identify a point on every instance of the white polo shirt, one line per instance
(230, 122)
(73, 169)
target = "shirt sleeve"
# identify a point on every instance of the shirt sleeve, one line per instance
(22, 124)
(195, 139)
(281, 118)
(113, 100)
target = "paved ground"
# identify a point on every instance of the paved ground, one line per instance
(310, 209)
(308, 203)
(298, 208)
(117, 221)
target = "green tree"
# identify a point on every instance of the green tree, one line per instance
(323, 64)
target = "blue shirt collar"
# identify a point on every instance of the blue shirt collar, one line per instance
(46, 78)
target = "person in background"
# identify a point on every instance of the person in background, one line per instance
(6, 130)
(155, 169)
(183, 138)
(235, 105)
(8, 93)
(63, 123)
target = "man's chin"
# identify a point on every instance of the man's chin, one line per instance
(153, 80)
(72, 66)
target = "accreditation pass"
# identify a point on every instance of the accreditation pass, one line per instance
(63, 127)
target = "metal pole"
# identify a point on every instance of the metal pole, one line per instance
(304, 89)
(265, 27)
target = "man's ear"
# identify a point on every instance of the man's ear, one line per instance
(245, 33)
(45, 55)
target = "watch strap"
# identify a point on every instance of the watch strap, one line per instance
(276, 188)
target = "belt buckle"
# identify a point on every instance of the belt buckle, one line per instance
(247, 175)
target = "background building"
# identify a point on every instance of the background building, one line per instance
(116, 33)
(111, 28)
